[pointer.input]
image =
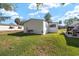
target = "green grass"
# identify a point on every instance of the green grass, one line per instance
(51, 44)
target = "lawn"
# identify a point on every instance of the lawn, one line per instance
(51, 44)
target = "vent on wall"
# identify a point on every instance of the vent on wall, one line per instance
(30, 31)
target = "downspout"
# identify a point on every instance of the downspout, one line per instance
(44, 27)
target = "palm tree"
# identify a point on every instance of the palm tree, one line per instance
(17, 21)
(38, 5)
(41, 4)
(60, 22)
(47, 17)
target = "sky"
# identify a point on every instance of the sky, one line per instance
(25, 11)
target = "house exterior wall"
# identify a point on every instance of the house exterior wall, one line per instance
(52, 29)
(39, 27)
(35, 25)
(7, 28)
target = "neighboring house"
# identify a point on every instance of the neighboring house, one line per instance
(74, 26)
(6, 27)
(61, 26)
(73, 29)
(39, 26)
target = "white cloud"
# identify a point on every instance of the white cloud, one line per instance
(77, 7)
(54, 17)
(34, 13)
(14, 17)
(71, 14)
(8, 13)
(66, 4)
(11, 14)
(45, 5)
(32, 6)
(2, 11)
(51, 5)
(44, 9)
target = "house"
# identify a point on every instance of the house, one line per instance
(73, 30)
(8, 27)
(39, 26)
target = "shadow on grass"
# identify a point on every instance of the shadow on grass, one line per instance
(71, 41)
(20, 34)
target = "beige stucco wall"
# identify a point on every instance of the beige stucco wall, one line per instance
(53, 29)
(38, 27)
(35, 25)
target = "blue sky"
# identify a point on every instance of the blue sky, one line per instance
(58, 12)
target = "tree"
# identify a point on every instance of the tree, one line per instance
(17, 21)
(7, 6)
(60, 22)
(47, 17)
(38, 5)
(70, 21)
(22, 22)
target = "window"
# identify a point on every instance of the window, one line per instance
(11, 27)
(69, 28)
(53, 25)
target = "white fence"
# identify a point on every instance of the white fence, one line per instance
(10, 28)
